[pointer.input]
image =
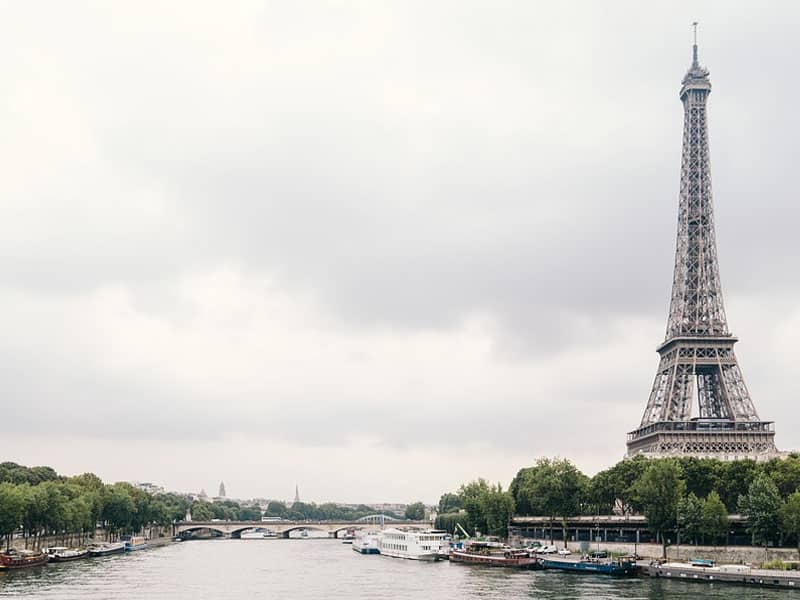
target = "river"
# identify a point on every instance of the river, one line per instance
(324, 569)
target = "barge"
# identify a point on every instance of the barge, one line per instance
(740, 574)
(597, 563)
(21, 559)
(492, 554)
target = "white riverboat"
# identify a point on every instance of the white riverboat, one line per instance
(104, 549)
(257, 535)
(367, 542)
(416, 545)
(64, 554)
(134, 542)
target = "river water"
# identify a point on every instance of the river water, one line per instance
(322, 569)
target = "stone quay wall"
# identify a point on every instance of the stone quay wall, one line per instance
(750, 555)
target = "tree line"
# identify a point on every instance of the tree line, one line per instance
(689, 495)
(38, 503)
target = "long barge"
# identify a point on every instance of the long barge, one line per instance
(21, 559)
(492, 554)
(594, 564)
(739, 574)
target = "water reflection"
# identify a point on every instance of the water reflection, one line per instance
(313, 569)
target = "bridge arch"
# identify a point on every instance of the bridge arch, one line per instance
(237, 533)
(312, 526)
(205, 527)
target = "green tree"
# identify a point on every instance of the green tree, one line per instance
(497, 507)
(735, 480)
(176, 506)
(790, 517)
(702, 475)
(762, 507)
(12, 510)
(659, 490)
(450, 503)
(202, 511)
(415, 511)
(690, 517)
(715, 518)
(276, 509)
(448, 521)
(119, 508)
(553, 488)
(471, 495)
(250, 513)
(785, 472)
(617, 486)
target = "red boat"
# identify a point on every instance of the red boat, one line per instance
(20, 559)
(492, 554)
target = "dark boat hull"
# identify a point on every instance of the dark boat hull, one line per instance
(494, 561)
(107, 552)
(617, 569)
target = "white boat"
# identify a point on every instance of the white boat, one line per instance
(106, 548)
(134, 542)
(64, 554)
(416, 545)
(257, 535)
(367, 542)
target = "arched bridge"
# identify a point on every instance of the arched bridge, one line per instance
(282, 528)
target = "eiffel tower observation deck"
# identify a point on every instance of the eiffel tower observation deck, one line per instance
(699, 405)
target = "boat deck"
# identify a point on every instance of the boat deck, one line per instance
(739, 574)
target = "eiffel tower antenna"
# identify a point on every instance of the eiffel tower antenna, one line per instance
(698, 364)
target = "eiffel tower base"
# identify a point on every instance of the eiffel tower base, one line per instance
(705, 438)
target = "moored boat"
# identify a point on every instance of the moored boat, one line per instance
(20, 559)
(134, 542)
(64, 554)
(598, 562)
(106, 548)
(493, 554)
(708, 572)
(415, 545)
(252, 535)
(366, 542)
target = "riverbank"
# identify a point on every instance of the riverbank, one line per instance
(744, 555)
(156, 536)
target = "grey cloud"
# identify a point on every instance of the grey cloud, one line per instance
(408, 167)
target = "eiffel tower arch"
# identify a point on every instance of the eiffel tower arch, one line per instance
(698, 372)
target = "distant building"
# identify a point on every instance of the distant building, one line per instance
(146, 486)
(390, 507)
(221, 489)
(296, 495)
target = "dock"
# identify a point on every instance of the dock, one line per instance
(735, 574)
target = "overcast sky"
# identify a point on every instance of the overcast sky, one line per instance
(376, 249)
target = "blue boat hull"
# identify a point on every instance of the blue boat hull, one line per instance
(619, 569)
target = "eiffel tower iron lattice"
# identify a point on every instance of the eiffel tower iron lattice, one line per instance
(698, 364)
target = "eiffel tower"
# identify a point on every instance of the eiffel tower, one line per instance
(698, 364)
